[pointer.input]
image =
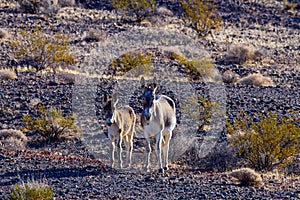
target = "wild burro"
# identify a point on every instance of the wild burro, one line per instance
(158, 119)
(121, 126)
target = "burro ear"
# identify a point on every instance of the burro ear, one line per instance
(142, 82)
(114, 100)
(106, 97)
(154, 80)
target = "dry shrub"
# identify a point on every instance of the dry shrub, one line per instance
(238, 54)
(66, 3)
(256, 80)
(39, 6)
(230, 77)
(221, 157)
(93, 35)
(3, 34)
(7, 74)
(246, 177)
(12, 139)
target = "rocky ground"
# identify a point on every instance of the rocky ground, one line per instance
(77, 168)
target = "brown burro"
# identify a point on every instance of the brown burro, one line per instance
(121, 127)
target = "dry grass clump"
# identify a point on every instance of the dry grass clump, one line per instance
(230, 77)
(39, 6)
(256, 80)
(238, 54)
(11, 138)
(93, 35)
(66, 3)
(7, 74)
(246, 177)
(3, 34)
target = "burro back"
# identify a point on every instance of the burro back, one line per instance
(158, 119)
(121, 127)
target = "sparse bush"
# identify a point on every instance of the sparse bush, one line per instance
(7, 74)
(246, 177)
(196, 69)
(256, 80)
(238, 54)
(51, 124)
(39, 6)
(3, 34)
(221, 157)
(136, 61)
(12, 139)
(139, 9)
(201, 16)
(268, 143)
(205, 110)
(31, 191)
(41, 51)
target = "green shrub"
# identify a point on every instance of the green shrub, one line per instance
(195, 68)
(268, 143)
(201, 16)
(51, 124)
(31, 192)
(41, 51)
(137, 61)
(140, 9)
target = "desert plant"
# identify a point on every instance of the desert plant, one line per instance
(239, 54)
(230, 77)
(246, 177)
(268, 143)
(195, 68)
(7, 74)
(93, 35)
(51, 124)
(39, 6)
(201, 16)
(66, 3)
(256, 80)
(41, 51)
(31, 191)
(137, 61)
(140, 9)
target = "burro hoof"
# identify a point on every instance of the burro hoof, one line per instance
(166, 168)
(161, 171)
